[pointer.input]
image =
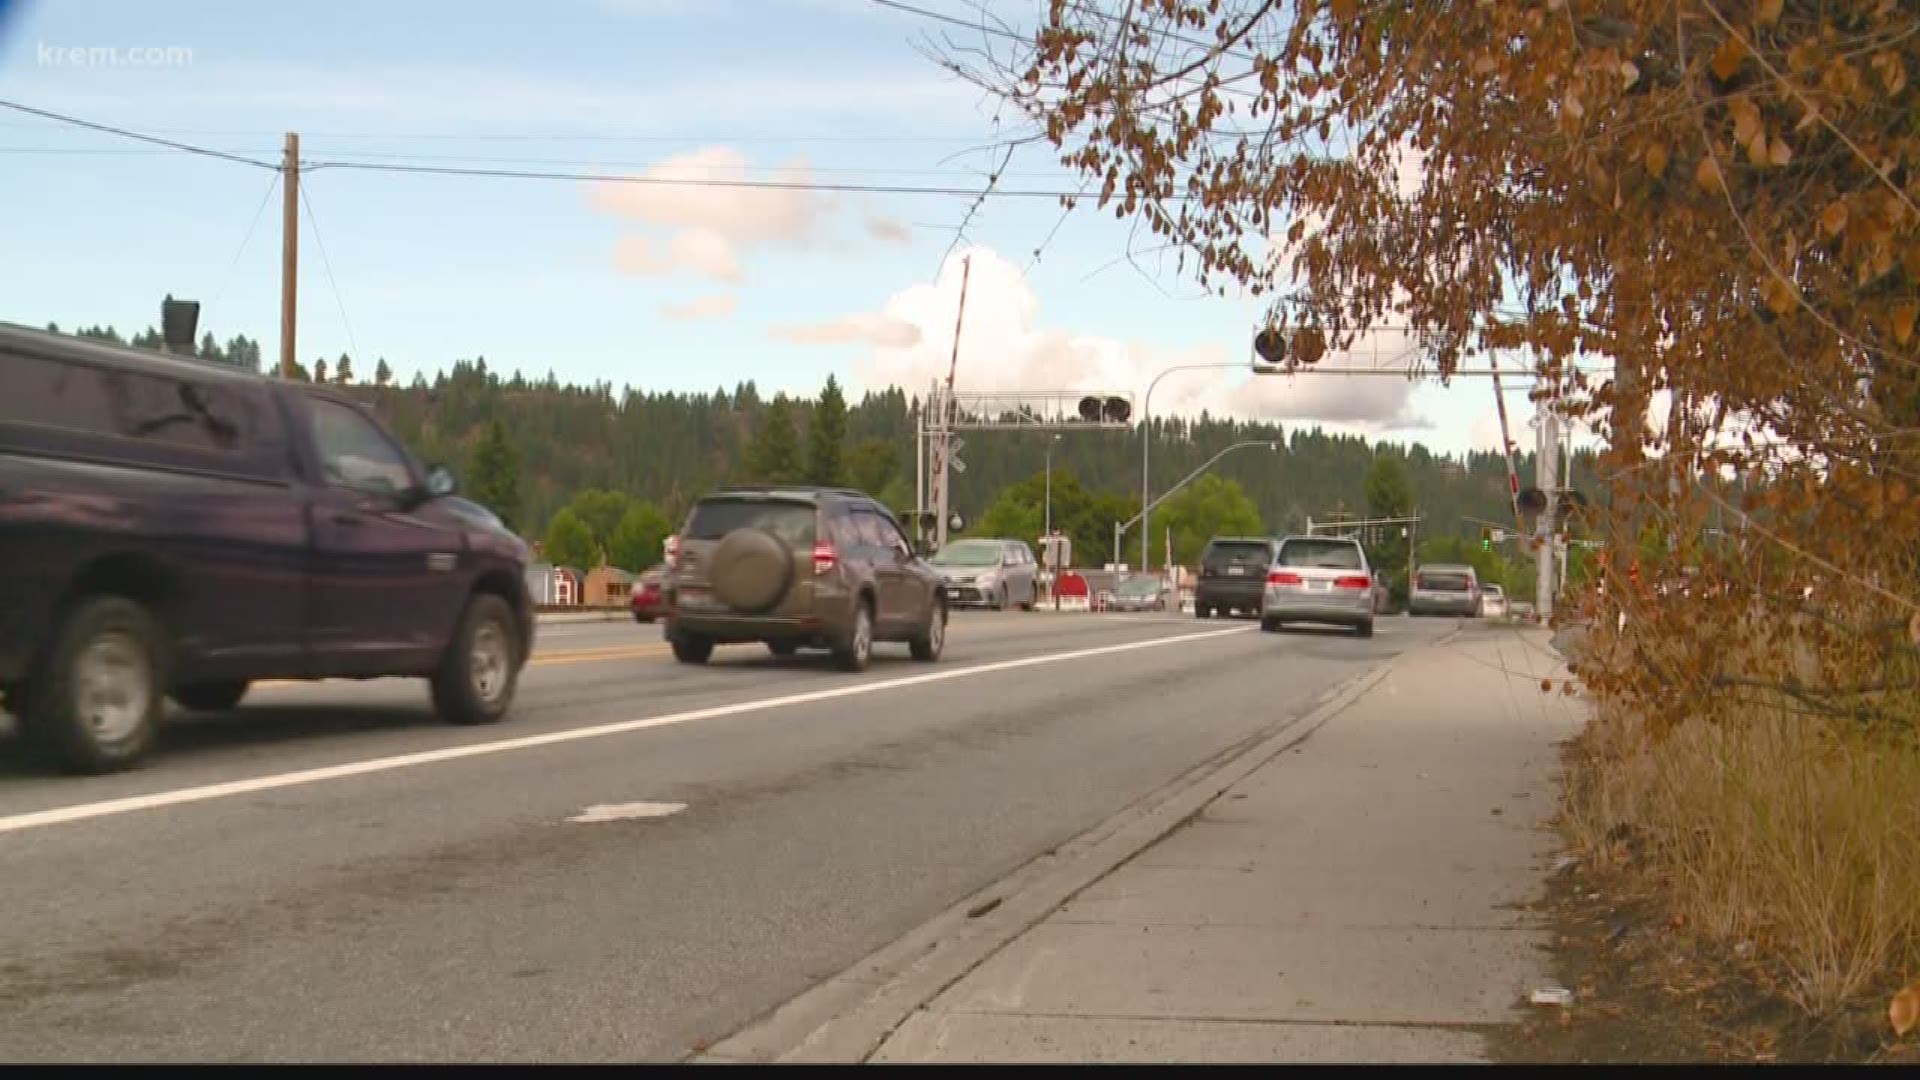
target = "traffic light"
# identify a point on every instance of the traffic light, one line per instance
(1486, 538)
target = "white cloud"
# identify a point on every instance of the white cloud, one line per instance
(712, 228)
(888, 230)
(877, 330)
(741, 214)
(1004, 347)
(700, 308)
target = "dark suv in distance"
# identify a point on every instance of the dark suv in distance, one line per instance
(800, 567)
(176, 527)
(1233, 575)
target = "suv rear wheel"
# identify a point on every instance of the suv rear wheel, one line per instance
(692, 648)
(95, 702)
(928, 644)
(856, 652)
(481, 667)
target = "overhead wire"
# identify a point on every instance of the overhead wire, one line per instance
(138, 136)
(226, 279)
(339, 301)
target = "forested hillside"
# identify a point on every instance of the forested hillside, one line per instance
(666, 448)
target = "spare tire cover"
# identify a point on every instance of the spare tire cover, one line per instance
(750, 570)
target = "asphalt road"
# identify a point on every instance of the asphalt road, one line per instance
(330, 874)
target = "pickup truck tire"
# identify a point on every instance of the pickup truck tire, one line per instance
(211, 696)
(481, 667)
(94, 703)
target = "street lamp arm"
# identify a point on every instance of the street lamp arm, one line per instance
(1192, 476)
(1146, 439)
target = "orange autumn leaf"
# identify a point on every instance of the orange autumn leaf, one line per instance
(1901, 320)
(1903, 1012)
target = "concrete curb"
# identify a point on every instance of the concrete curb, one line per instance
(848, 1017)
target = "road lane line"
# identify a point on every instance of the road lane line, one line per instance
(181, 796)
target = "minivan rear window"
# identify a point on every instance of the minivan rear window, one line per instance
(1326, 554)
(791, 521)
(1437, 582)
(1236, 553)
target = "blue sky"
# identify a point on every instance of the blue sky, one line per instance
(656, 286)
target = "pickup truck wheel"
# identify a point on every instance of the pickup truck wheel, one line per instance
(478, 674)
(856, 652)
(94, 705)
(211, 696)
(928, 644)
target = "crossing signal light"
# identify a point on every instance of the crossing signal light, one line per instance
(1486, 539)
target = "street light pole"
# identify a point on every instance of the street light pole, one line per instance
(1146, 450)
(1047, 547)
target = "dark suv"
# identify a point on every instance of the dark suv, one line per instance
(1233, 575)
(176, 527)
(800, 567)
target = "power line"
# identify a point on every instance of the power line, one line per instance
(124, 133)
(579, 136)
(951, 20)
(227, 278)
(339, 301)
(769, 185)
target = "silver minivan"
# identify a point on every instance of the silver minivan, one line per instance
(994, 572)
(1319, 579)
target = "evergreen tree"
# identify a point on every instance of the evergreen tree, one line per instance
(494, 475)
(774, 457)
(827, 438)
(343, 370)
(872, 465)
(382, 374)
(320, 370)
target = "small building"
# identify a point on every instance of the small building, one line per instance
(607, 586)
(553, 585)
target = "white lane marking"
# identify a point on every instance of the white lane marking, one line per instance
(180, 796)
(627, 811)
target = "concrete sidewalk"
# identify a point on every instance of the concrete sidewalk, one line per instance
(1350, 900)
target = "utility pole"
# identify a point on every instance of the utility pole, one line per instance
(289, 249)
(945, 455)
(1546, 473)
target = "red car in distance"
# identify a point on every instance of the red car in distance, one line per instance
(650, 595)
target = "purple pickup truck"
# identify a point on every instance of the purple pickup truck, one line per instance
(177, 528)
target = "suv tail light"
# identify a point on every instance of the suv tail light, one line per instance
(671, 551)
(1353, 581)
(824, 557)
(1282, 577)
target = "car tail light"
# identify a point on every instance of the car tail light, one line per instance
(824, 557)
(1353, 581)
(1282, 577)
(671, 551)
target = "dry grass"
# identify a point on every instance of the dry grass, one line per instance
(1791, 833)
